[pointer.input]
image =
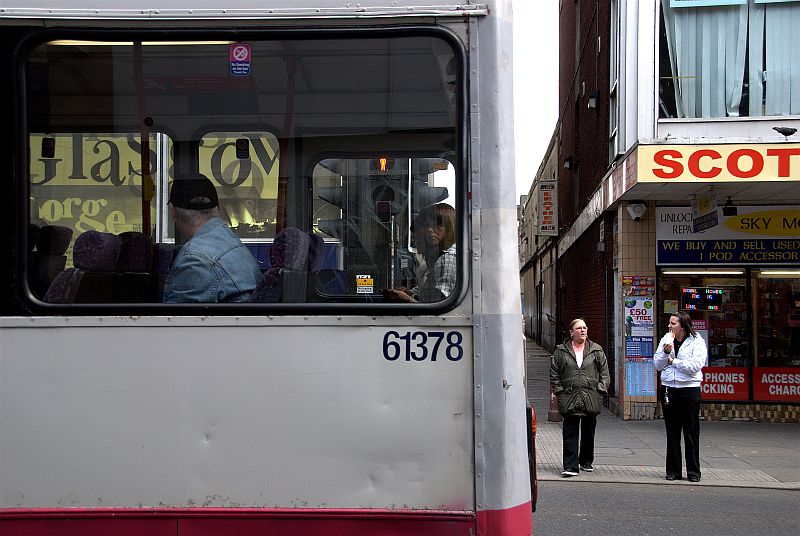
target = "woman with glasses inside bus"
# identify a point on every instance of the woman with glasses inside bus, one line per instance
(681, 356)
(435, 228)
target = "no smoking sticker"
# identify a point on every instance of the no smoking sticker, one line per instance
(240, 59)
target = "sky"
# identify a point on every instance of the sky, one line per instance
(535, 85)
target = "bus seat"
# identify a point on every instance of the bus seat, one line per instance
(136, 252)
(132, 278)
(95, 256)
(49, 258)
(286, 279)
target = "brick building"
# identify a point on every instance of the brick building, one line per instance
(672, 178)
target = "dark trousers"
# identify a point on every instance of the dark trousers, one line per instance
(586, 424)
(682, 416)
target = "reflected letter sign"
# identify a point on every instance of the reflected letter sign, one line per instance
(547, 208)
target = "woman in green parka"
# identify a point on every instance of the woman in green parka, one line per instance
(579, 376)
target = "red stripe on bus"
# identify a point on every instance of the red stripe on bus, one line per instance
(516, 521)
(231, 521)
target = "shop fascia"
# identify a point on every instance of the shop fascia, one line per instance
(718, 163)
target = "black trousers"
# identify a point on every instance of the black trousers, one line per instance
(572, 424)
(682, 416)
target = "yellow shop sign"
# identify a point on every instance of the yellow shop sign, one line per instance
(784, 222)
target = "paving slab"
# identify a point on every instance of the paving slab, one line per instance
(732, 453)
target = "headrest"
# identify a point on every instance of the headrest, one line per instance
(135, 251)
(290, 249)
(96, 252)
(53, 240)
(268, 289)
(316, 252)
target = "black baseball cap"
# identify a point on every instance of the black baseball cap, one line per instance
(193, 192)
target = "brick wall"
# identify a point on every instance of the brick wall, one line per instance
(750, 412)
(582, 287)
(583, 69)
(781, 413)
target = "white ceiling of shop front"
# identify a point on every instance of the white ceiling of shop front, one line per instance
(784, 192)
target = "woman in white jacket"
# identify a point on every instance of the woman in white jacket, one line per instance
(681, 356)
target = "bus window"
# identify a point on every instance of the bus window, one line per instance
(289, 138)
(389, 226)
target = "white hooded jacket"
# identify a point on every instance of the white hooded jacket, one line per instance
(686, 368)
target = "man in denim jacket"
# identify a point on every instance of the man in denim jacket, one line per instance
(213, 266)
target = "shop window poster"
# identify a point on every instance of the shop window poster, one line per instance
(639, 319)
(639, 346)
(640, 377)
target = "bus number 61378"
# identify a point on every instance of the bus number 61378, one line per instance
(421, 345)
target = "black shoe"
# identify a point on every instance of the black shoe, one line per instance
(673, 477)
(587, 467)
(566, 473)
(694, 478)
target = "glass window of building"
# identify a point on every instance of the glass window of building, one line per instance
(716, 301)
(729, 58)
(776, 313)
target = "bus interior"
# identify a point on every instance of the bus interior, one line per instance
(343, 140)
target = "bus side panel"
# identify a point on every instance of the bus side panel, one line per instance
(238, 522)
(235, 416)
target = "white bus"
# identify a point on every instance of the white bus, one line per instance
(323, 403)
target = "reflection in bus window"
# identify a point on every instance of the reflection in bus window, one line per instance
(82, 182)
(244, 168)
(344, 140)
(93, 181)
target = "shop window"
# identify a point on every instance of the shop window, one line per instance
(721, 320)
(717, 302)
(751, 322)
(776, 312)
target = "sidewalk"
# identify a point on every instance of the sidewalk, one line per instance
(732, 453)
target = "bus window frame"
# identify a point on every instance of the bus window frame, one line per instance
(20, 289)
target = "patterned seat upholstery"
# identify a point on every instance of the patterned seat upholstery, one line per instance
(95, 256)
(132, 280)
(286, 279)
(136, 252)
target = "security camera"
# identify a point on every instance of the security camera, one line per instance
(637, 210)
